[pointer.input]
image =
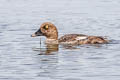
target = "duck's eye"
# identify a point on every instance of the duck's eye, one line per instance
(46, 27)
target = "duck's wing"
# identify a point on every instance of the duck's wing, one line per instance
(72, 37)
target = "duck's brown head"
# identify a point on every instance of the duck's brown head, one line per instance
(47, 29)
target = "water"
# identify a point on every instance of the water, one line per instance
(23, 58)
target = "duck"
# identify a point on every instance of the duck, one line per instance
(49, 30)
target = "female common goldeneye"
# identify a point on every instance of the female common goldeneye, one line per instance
(50, 31)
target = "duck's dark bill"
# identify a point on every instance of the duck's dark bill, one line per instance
(33, 35)
(38, 33)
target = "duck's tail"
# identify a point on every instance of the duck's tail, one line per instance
(97, 40)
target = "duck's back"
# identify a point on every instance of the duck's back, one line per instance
(81, 39)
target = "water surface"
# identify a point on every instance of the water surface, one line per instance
(23, 58)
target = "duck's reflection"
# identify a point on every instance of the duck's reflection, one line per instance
(48, 49)
(51, 48)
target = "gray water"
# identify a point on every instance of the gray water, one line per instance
(23, 58)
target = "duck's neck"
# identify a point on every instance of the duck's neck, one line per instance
(51, 41)
(53, 37)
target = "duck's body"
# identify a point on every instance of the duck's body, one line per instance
(81, 39)
(50, 31)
